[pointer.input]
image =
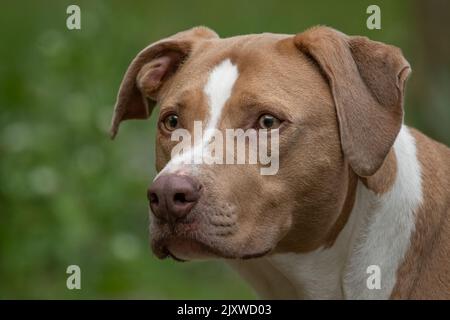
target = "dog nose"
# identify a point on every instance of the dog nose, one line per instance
(173, 196)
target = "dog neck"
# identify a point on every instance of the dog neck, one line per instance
(376, 237)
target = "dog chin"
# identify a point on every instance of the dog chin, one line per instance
(185, 249)
(188, 249)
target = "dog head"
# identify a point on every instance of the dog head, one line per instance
(335, 102)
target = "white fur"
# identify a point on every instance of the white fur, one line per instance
(378, 233)
(385, 234)
(218, 90)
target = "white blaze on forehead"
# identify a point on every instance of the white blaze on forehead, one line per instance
(218, 88)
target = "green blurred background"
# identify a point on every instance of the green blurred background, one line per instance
(68, 195)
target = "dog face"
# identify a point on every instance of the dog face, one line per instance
(335, 101)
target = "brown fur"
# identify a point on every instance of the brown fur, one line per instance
(132, 103)
(341, 102)
(382, 181)
(367, 79)
(425, 272)
(346, 209)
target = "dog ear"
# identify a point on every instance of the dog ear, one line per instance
(367, 80)
(148, 72)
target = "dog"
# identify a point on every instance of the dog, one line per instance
(360, 205)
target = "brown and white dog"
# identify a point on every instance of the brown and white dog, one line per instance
(355, 187)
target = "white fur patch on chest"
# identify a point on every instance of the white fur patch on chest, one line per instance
(386, 227)
(378, 233)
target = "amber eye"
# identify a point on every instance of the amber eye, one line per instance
(267, 121)
(171, 122)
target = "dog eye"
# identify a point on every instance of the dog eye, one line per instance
(171, 122)
(267, 121)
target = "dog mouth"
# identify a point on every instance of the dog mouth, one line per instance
(183, 241)
(186, 242)
(184, 249)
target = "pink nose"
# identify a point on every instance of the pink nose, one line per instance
(173, 196)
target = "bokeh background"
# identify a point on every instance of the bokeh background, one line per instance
(68, 195)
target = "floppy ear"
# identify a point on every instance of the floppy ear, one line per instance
(367, 80)
(148, 72)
